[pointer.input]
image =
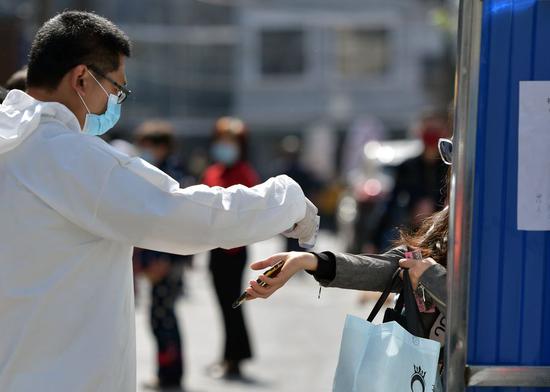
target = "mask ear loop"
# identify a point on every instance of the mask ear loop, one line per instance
(100, 85)
(86, 106)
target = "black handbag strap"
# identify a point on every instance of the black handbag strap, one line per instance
(384, 296)
(399, 304)
(406, 298)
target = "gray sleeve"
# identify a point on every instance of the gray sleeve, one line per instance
(434, 279)
(365, 272)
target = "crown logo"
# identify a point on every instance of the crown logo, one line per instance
(418, 377)
(418, 371)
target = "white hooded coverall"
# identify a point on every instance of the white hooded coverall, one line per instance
(71, 210)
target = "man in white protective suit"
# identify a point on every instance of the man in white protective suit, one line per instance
(72, 208)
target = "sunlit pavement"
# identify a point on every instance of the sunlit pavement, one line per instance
(295, 336)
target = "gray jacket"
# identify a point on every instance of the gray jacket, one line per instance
(374, 272)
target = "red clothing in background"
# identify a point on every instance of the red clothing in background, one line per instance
(240, 173)
(221, 175)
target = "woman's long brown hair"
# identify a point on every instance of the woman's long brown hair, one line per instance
(431, 237)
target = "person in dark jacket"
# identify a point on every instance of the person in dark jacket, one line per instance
(418, 182)
(155, 141)
(231, 167)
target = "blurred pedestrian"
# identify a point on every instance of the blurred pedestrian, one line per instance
(291, 164)
(155, 141)
(231, 167)
(18, 80)
(73, 208)
(3, 93)
(418, 183)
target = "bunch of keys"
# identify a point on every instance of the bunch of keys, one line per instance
(423, 300)
(270, 273)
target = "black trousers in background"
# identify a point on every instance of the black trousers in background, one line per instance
(227, 268)
(165, 328)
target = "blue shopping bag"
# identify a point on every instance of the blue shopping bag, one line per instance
(387, 357)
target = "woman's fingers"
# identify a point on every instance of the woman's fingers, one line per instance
(269, 281)
(262, 292)
(416, 268)
(258, 265)
(407, 263)
(251, 294)
(272, 284)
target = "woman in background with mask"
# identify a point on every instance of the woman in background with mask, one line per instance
(231, 167)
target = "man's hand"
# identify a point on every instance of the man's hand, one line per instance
(306, 229)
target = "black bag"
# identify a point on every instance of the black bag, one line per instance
(410, 319)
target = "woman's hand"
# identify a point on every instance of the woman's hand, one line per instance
(294, 262)
(416, 268)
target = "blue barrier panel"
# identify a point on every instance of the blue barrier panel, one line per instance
(509, 311)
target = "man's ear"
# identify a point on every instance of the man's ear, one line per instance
(78, 78)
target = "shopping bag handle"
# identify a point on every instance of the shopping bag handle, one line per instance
(407, 298)
(384, 295)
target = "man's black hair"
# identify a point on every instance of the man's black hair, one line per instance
(72, 38)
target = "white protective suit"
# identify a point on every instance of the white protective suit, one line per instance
(71, 209)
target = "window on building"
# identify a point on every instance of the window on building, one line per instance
(363, 52)
(177, 79)
(282, 52)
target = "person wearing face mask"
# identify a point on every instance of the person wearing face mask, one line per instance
(73, 208)
(418, 182)
(231, 167)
